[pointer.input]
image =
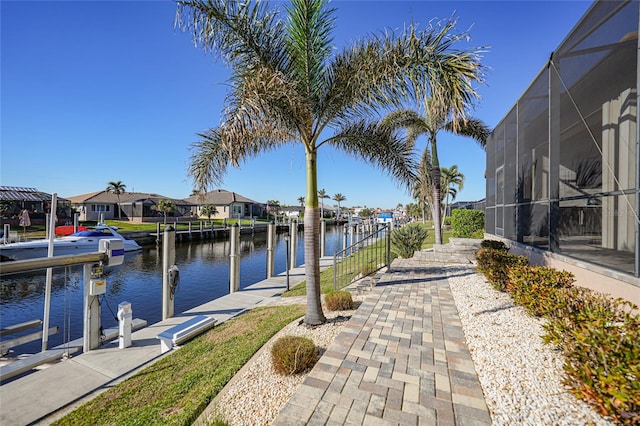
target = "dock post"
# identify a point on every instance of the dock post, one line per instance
(323, 233)
(271, 242)
(293, 231)
(168, 261)
(352, 228)
(91, 323)
(234, 256)
(344, 237)
(76, 218)
(7, 231)
(158, 233)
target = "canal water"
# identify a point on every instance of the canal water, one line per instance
(204, 276)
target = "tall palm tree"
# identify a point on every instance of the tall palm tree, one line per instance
(290, 85)
(339, 198)
(439, 116)
(452, 182)
(165, 206)
(272, 203)
(117, 188)
(322, 194)
(208, 210)
(423, 187)
(301, 201)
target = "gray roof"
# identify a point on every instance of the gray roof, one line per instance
(125, 198)
(18, 193)
(220, 197)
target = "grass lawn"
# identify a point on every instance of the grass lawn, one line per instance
(177, 388)
(326, 276)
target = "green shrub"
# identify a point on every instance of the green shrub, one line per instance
(467, 222)
(493, 244)
(408, 239)
(535, 287)
(446, 221)
(293, 355)
(599, 337)
(339, 301)
(495, 264)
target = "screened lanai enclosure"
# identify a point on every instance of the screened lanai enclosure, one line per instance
(562, 166)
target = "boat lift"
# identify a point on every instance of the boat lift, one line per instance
(111, 253)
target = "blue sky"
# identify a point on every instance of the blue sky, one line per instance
(99, 91)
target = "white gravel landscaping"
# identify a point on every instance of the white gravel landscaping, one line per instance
(520, 375)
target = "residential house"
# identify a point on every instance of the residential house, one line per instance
(132, 206)
(228, 205)
(14, 199)
(563, 165)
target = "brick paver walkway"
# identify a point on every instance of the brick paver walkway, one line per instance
(402, 359)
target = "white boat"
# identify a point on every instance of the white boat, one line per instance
(80, 242)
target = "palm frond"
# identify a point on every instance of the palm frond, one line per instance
(243, 33)
(471, 127)
(310, 43)
(209, 160)
(379, 146)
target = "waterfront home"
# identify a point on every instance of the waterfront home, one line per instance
(132, 206)
(228, 205)
(562, 166)
(15, 199)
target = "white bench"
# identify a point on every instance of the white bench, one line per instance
(182, 332)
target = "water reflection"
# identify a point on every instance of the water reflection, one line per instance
(204, 275)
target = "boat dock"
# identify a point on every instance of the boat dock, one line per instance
(48, 394)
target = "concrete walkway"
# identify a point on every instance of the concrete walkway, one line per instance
(46, 395)
(402, 359)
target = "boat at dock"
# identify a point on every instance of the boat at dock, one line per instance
(80, 242)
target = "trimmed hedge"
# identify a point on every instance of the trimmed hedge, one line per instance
(467, 223)
(494, 265)
(598, 335)
(493, 244)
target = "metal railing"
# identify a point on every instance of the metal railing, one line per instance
(365, 257)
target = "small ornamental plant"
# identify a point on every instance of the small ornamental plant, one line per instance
(339, 301)
(408, 239)
(536, 287)
(493, 244)
(293, 355)
(495, 264)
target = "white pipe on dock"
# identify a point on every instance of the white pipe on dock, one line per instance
(168, 261)
(234, 257)
(47, 291)
(271, 243)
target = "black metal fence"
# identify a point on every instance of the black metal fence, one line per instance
(370, 252)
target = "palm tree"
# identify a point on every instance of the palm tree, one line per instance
(452, 182)
(322, 194)
(270, 203)
(208, 210)
(301, 201)
(445, 107)
(339, 198)
(165, 206)
(423, 187)
(117, 188)
(290, 85)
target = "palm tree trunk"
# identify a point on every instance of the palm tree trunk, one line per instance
(314, 314)
(435, 170)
